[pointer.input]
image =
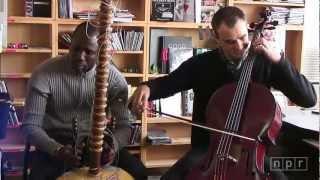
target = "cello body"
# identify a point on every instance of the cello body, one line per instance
(260, 120)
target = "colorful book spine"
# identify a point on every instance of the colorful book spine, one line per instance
(28, 8)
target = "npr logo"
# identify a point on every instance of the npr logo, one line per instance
(288, 163)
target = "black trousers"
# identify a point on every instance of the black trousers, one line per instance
(44, 167)
(180, 169)
(289, 144)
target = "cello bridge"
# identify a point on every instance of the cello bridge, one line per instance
(233, 159)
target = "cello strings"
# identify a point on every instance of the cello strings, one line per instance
(245, 80)
(240, 104)
(233, 118)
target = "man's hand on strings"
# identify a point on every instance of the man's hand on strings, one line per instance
(138, 102)
(266, 46)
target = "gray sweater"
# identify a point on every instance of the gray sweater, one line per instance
(56, 95)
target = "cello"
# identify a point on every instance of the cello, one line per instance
(248, 121)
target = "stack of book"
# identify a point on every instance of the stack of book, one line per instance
(158, 136)
(296, 16)
(122, 16)
(85, 15)
(279, 14)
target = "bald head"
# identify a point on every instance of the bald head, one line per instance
(85, 29)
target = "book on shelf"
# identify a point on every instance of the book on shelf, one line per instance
(156, 136)
(3, 87)
(37, 8)
(85, 15)
(123, 40)
(28, 8)
(187, 102)
(168, 43)
(177, 56)
(135, 134)
(179, 10)
(180, 103)
(162, 10)
(122, 19)
(208, 9)
(197, 11)
(65, 9)
(189, 11)
(70, 8)
(13, 117)
(154, 44)
(184, 10)
(122, 15)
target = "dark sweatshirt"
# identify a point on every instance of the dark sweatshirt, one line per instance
(208, 72)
